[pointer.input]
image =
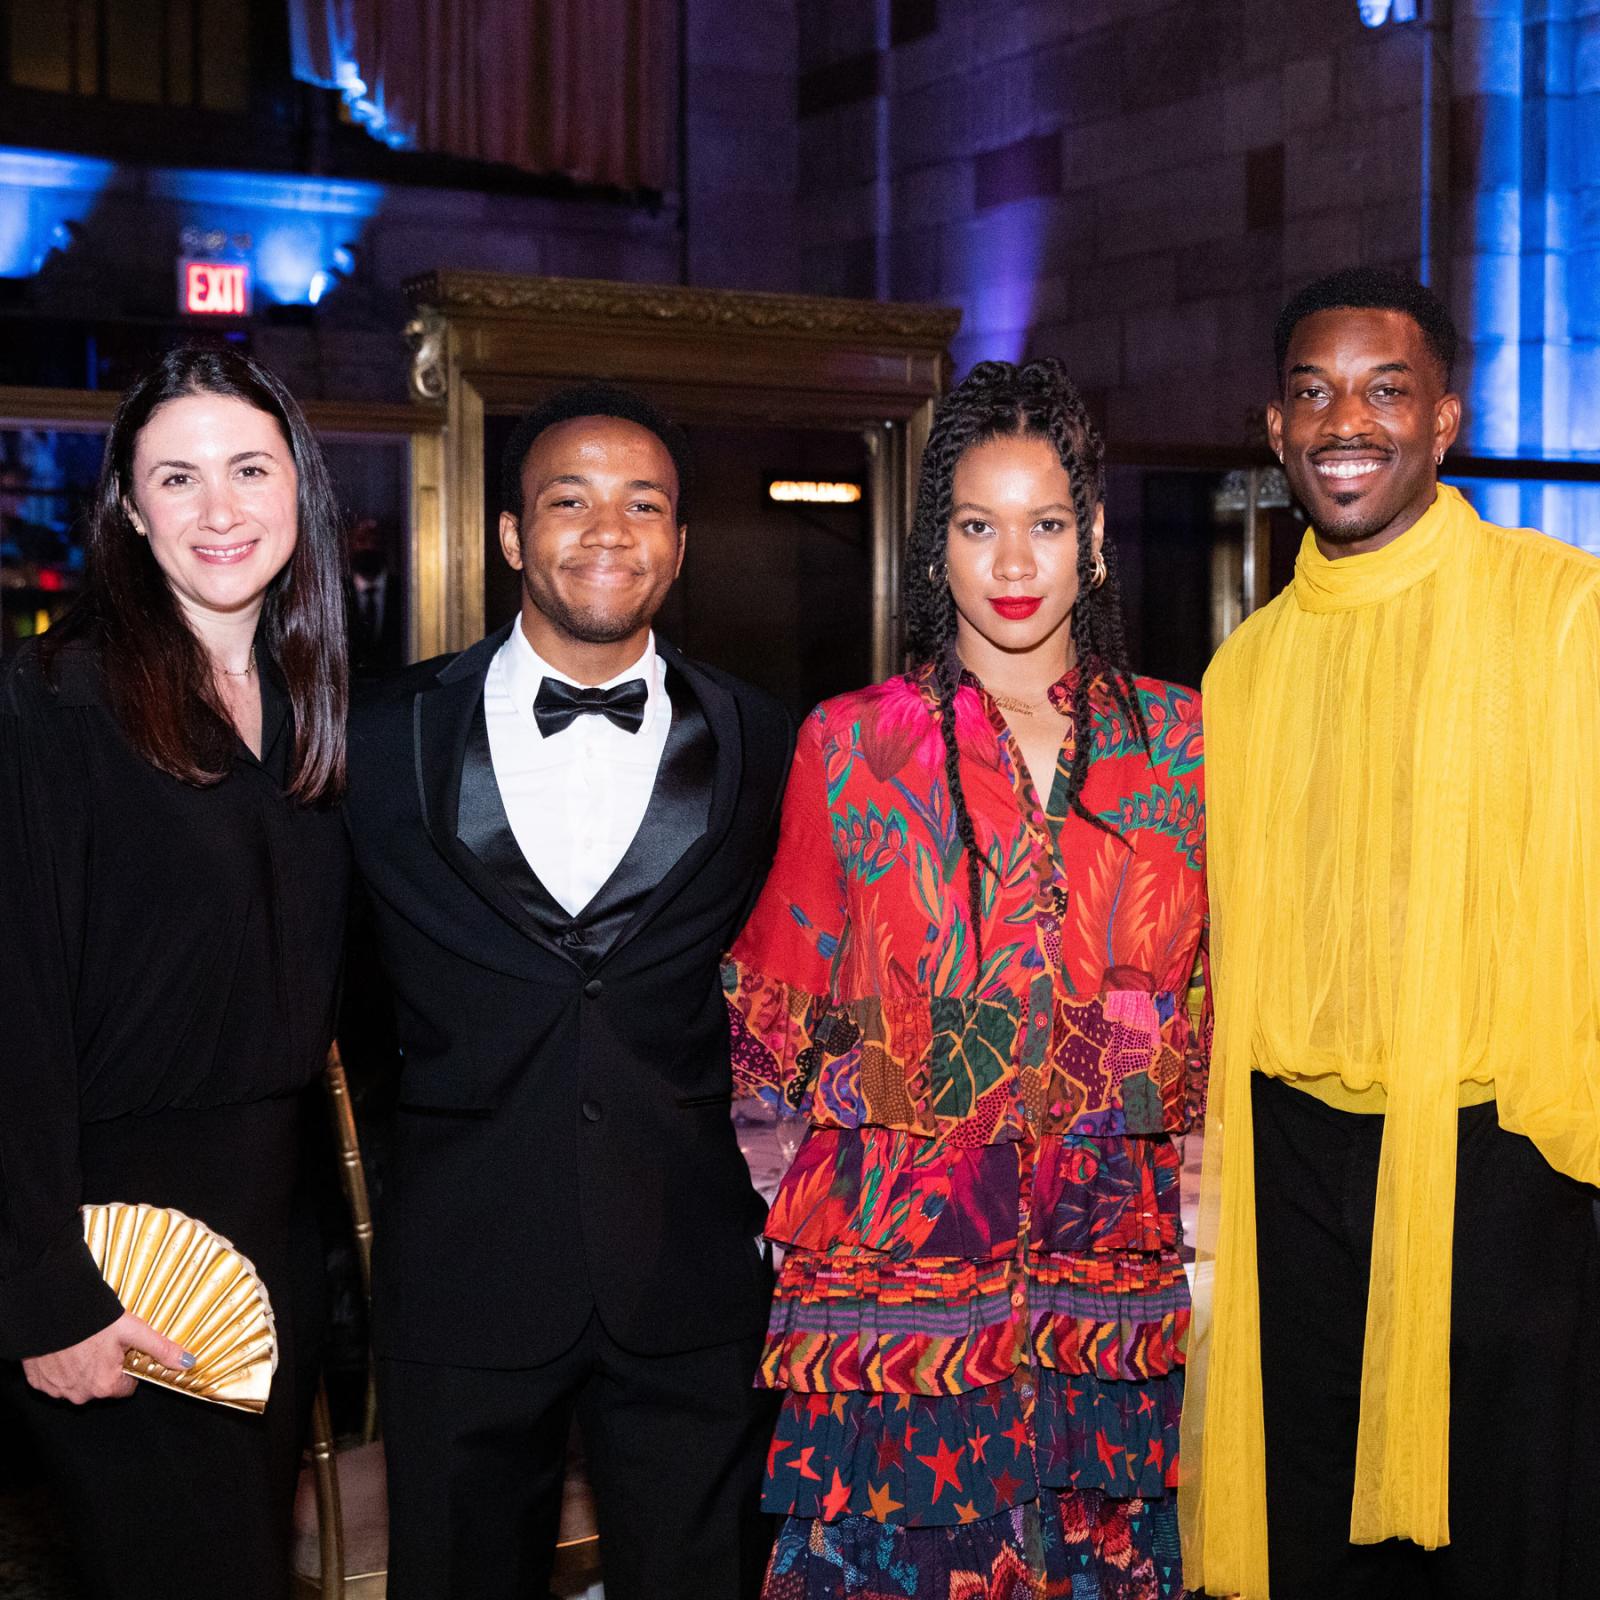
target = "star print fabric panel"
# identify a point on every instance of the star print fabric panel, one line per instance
(1088, 1547)
(915, 1460)
(982, 1306)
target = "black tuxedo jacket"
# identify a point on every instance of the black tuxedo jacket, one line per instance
(563, 1141)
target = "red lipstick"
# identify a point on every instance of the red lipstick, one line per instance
(1016, 608)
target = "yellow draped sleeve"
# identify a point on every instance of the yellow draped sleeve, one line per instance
(1547, 1049)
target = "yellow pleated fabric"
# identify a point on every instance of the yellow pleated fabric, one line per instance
(1403, 776)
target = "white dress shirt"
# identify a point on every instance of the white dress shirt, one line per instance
(576, 799)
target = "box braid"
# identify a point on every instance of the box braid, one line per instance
(999, 400)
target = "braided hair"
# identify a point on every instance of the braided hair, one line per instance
(998, 400)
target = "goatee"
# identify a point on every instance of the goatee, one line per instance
(589, 624)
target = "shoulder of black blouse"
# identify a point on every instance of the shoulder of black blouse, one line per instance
(75, 678)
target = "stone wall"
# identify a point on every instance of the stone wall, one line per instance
(739, 144)
(1131, 185)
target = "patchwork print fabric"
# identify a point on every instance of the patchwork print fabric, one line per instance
(982, 1307)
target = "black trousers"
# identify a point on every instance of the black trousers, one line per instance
(675, 1447)
(165, 1497)
(1524, 1363)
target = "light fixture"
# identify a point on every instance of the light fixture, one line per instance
(797, 491)
(1374, 13)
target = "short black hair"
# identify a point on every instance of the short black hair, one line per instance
(590, 400)
(1372, 289)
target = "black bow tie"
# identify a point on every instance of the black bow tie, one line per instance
(558, 705)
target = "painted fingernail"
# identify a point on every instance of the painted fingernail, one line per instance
(186, 1361)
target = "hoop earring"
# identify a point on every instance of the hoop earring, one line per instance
(1100, 572)
(937, 572)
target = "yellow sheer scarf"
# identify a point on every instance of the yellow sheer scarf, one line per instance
(1402, 774)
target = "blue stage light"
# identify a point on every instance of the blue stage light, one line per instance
(41, 194)
(292, 231)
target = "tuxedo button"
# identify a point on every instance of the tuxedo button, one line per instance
(594, 988)
(591, 1110)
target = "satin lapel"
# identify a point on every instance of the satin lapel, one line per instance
(723, 770)
(674, 819)
(484, 828)
(444, 716)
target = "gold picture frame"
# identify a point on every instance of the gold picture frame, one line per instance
(491, 343)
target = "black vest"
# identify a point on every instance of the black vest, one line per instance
(680, 804)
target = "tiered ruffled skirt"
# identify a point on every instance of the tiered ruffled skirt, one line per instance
(967, 1416)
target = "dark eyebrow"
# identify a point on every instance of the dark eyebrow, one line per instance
(584, 483)
(233, 461)
(1301, 368)
(1038, 511)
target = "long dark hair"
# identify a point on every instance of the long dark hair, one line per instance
(998, 400)
(156, 671)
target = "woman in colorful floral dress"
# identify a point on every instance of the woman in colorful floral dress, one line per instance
(969, 971)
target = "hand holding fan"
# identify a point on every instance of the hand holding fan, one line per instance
(193, 1286)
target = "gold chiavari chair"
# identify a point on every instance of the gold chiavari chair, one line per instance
(341, 1521)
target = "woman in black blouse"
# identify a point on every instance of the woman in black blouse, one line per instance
(172, 887)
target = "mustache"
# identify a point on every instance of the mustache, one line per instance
(1364, 447)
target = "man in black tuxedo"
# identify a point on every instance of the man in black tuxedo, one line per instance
(560, 831)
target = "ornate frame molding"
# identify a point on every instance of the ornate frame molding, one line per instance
(455, 293)
(490, 343)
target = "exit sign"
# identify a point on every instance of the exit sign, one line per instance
(214, 288)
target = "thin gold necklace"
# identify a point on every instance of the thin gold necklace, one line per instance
(1006, 703)
(1025, 707)
(249, 667)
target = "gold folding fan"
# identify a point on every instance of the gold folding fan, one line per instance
(193, 1286)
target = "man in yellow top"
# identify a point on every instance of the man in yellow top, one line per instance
(1396, 1360)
